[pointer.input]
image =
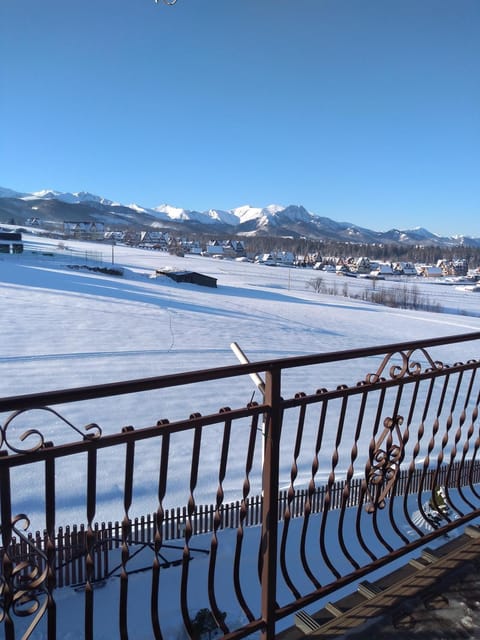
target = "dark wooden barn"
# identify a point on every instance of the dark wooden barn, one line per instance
(190, 276)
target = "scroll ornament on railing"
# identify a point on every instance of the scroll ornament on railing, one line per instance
(26, 588)
(35, 437)
(408, 367)
(386, 455)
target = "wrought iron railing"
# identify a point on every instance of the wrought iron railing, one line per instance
(393, 456)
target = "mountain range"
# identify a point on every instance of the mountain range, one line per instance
(53, 208)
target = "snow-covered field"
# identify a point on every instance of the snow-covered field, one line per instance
(66, 327)
(63, 327)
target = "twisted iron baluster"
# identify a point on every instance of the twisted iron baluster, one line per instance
(243, 514)
(126, 528)
(412, 474)
(471, 479)
(436, 474)
(348, 479)
(431, 445)
(217, 522)
(191, 507)
(311, 492)
(291, 497)
(364, 488)
(90, 541)
(7, 587)
(50, 544)
(158, 536)
(329, 489)
(453, 452)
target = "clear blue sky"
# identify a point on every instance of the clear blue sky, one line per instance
(365, 111)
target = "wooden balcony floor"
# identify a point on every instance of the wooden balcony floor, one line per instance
(436, 595)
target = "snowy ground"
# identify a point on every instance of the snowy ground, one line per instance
(64, 327)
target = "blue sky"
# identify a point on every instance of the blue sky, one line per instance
(362, 111)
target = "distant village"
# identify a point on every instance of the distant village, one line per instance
(235, 249)
(348, 266)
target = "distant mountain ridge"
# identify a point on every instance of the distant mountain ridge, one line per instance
(294, 221)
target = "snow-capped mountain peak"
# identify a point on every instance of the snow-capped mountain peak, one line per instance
(246, 212)
(175, 213)
(223, 217)
(65, 196)
(46, 194)
(293, 221)
(138, 208)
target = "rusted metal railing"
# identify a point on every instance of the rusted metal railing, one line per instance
(349, 479)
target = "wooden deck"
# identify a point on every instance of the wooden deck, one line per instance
(420, 577)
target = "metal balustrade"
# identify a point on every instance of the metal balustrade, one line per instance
(336, 483)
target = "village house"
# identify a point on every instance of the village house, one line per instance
(362, 265)
(342, 268)
(193, 246)
(214, 248)
(381, 269)
(285, 257)
(429, 271)
(266, 258)
(404, 269)
(117, 236)
(154, 239)
(225, 249)
(453, 267)
(84, 230)
(234, 249)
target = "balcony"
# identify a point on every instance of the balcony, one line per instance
(257, 514)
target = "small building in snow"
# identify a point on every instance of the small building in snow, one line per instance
(430, 271)
(453, 267)
(266, 258)
(191, 277)
(214, 248)
(381, 269)
(285, 257)
(362, 265)
(154, 239)
(404, 269)
(84, 230)
(11, 242)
